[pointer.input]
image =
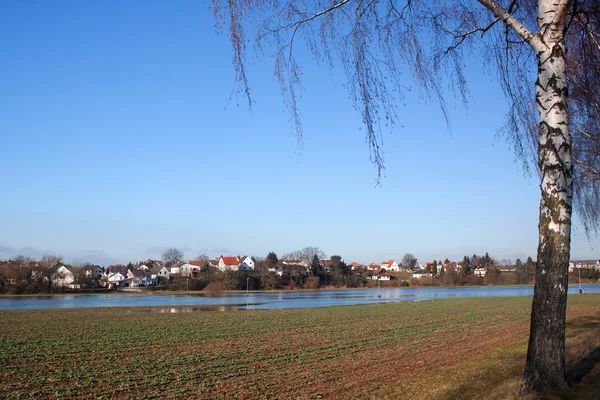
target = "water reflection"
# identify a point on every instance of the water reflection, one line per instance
(175, 310)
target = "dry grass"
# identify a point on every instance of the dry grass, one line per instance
(496, 375)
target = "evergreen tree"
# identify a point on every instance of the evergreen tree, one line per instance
(520, 269)
(315, 265)
(272, 259)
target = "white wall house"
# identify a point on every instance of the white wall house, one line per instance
(588, 264)
(191, 266)
(382, 275)
(247, 264)
(422, 274)
(116, 279)
(93, 271)
(138, 278)
(228, 263)
(390, 265)
(294, 262)
(63, 277)
(480, 272)
(164, 272)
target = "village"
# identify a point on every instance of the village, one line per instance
(50, 274)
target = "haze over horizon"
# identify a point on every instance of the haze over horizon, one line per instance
(122, 139)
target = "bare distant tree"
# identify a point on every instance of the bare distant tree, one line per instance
(48, 266)
(524, 41)
(409, 260)
(21, 260)
(293, 255)
(203, 257)
(172, 256)
(310, 253)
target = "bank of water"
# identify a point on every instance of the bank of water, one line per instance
(266, 300)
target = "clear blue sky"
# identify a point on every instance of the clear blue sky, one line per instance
(119, 140)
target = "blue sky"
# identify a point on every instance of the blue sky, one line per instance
(119, 139)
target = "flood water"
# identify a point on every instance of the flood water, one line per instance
(267, 300)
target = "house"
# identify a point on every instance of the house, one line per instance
(138, 277)
(247, 264)
(480, 272)
(422, 274)
(506, 268)
(450, 266)
(373, 267)
(162, 272)
(154, 263)
(584, 264)
(294, 262)
(143, 267)
(64, 277)
(326, 264)
(175, 269)
(290, 269)
(381, 275)
(93, 271)
(10, 273)
(117, 268)
(356, 266)
(116, 279)
(390, 265)
(277, 269)
(228, 263)
(190, 267)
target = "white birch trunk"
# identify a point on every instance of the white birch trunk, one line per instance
(545, 366)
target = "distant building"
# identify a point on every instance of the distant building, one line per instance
(390, 265)
(381, 275)
(584, 264)
(117, 268)
(190, 267)
(228, 263)
(247, 263)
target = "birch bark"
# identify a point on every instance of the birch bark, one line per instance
(545, 365)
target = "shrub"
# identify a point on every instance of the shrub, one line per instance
(312, 282)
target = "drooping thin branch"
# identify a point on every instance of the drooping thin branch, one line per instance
(462, 36)
(310, 18)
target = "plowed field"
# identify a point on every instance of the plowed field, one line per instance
(463, 348)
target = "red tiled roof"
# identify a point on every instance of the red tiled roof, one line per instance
(197, 263)
(230, 260)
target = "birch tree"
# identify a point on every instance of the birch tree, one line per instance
(542, 50)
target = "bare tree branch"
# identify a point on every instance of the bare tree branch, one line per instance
(514, 23)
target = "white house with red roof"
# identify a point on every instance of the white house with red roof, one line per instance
(381, 275)
(191, 266)
(228, 263)
(390, 265)
(373, 267)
